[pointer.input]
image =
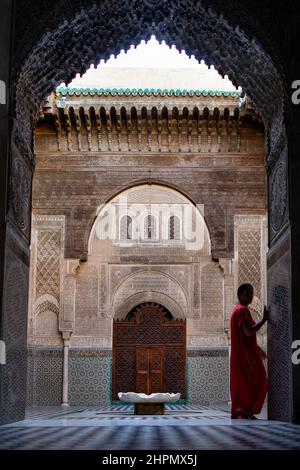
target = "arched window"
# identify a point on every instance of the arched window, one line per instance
(150, 227)
(174, 228)
(126, 228)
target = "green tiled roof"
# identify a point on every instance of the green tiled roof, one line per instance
(142, 92)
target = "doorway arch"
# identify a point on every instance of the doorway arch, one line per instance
(82, 37)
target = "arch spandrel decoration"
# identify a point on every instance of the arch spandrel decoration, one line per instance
(150, 330)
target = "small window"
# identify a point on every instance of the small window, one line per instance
(126, 228)
(150, 227)
(174, 228)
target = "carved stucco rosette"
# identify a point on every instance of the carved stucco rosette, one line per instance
(278, 196)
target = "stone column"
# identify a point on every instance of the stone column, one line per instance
(66, 327)
(65, 394)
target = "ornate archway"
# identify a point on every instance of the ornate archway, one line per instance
(59, 50)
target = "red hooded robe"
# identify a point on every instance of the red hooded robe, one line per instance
(248, 378)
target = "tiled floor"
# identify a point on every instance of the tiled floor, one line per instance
(116, 428)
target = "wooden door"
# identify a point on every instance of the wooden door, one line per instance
(149, 352)
(150, 369)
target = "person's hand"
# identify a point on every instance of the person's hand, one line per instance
(265, 314)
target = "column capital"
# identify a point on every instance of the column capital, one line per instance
(66, 335)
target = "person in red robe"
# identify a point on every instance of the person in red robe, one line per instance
(248, 378)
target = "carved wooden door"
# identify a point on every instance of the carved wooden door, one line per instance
(149, 352)
(150, 369)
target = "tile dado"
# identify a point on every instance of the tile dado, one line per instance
(208, 377)
(44, 378)
(89, 380)
(90, 376)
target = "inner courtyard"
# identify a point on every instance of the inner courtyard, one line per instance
(143, 197)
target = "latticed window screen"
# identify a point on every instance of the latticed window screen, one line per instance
(150, 227)
(174, 228)
(126, 228)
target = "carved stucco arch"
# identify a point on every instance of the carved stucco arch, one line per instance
(150, 296)
(177, 310)
(46, 302)
(142, 271)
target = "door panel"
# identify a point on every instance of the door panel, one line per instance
(150, 370)
(156, 369)
(142, 370)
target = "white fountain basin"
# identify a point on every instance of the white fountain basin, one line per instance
(132, 397)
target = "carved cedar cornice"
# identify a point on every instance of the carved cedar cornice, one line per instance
(145, 122)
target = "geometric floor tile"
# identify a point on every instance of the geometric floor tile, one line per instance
(117, 428)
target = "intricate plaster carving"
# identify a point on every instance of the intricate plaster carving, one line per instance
(250, 254)
(212, 292)
(46, 280)
(278, 203)
(20, 193)
(207, 341)
(48, 266)
(150, 283)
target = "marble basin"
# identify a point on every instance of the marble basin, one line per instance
(132, 397)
